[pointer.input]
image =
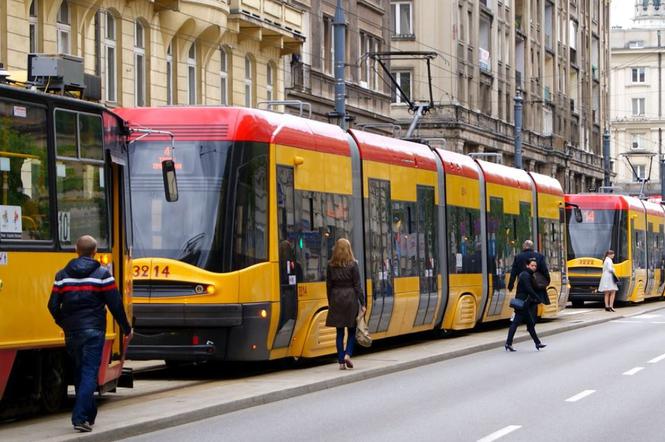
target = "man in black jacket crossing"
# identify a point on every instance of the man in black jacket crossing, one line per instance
(81, 292)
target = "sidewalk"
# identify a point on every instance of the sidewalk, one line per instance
(159, 404)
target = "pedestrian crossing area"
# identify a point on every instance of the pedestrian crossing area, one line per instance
(644, 318)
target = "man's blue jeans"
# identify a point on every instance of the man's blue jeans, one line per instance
(350, 341)
(85, 348)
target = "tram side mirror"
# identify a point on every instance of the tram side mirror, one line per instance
(170, 182)
(578, 214)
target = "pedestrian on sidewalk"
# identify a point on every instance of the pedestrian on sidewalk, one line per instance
(345, 299)
(527, 315)
(542, 275)
(81, 292)
(608, 281)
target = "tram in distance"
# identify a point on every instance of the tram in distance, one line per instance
(234, 270)
(63, 164)
(633, 228)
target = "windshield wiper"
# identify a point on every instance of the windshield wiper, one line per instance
(191, 248)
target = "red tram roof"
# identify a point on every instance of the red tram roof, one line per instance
(457, 164)
(605, 201)
(196, 123)
(546, 184)
(393, 150)
(504, 175)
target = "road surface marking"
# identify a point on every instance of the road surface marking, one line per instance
(621, 321)
(499, 434)
(657, 359)
(581, 395)
(646, 316)
(574, 312)
(657, 322)
(632, 371)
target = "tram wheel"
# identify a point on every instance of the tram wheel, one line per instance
(54, 382)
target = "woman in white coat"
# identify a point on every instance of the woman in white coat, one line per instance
(607, 284)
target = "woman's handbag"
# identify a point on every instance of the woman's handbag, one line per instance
(615, 278)
(362, 332)
(517, 304)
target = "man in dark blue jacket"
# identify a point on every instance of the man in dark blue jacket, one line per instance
(519, 265)
(81, 292)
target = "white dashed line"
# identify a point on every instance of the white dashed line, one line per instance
(581, 395)
(573, 312)
(499, 434)
(657, 359)
(645, 316)
(632, 371)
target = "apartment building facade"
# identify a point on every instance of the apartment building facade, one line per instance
(310, 75)
(555, 52)
(637, 99)
(147, 52)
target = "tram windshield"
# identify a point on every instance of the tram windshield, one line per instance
(599, 231)
(219, 221)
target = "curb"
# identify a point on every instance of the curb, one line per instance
(114, 434)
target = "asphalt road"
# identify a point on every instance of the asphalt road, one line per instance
(601, 383)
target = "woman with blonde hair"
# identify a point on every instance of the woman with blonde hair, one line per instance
(345, 298)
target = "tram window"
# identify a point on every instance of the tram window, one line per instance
(427, 231)
(82, 208)
(65, 134)
(524, 223)
(405, 239)
(338, 223)
(250, 232)
(464, 245)
(90, 137)
(24, 203)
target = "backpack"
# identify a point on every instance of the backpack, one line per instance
(539, 281)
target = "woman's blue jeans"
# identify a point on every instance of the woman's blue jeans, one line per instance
(85, 348)
(350, 342)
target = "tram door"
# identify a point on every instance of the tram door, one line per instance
(290, 271)
(427, 258)
(379, 254)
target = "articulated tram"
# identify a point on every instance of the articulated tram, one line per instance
(63, 165)
(234, 270)
(633, 228)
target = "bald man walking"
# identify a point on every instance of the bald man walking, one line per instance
(81, 292)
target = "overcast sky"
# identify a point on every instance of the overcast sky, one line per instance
(622, 12)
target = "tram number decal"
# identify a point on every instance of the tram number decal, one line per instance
(64, 227)
(157, 271)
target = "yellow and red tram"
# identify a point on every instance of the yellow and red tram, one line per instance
(235, 269)
(63, 164)
(633, 228)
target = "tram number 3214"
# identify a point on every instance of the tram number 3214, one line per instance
(157, 272)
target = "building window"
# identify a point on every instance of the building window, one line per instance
(139, 64)
(369, 74)
(638, 106)
(223, 76)
(637, 141)
(636, 44)
(249, 82)
(191, 73)
(638, 75)
(401, 18)
(63, 28)
(34, 26)
(640, 173)
(269, 81)
(403, 78)
(328, 46)
(169, 74)
(111, 56)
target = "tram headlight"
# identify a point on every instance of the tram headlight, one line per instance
(210, 289)
(199, 289)
(263, 313)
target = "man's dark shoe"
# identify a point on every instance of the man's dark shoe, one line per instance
(83, 427)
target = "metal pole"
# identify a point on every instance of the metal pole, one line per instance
(518, 130)
(606, 157)
(661, 162)
(339, 27)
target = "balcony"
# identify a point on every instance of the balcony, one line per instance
(272, 22)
